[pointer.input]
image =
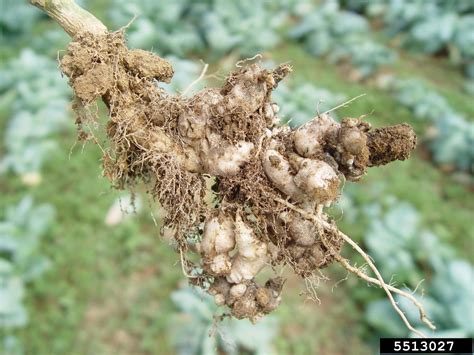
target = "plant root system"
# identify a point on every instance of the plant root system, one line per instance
(269, 183)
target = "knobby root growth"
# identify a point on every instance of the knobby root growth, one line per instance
(269, 184)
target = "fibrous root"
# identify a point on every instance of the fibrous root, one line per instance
(269, 183)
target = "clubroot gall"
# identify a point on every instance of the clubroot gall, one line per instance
(270, 183)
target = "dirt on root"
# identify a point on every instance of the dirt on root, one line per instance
(387, 144)
(139, 121)
(317, 252)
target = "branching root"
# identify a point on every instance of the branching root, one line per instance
(270, 183)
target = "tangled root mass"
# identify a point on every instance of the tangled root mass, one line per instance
(229, 136)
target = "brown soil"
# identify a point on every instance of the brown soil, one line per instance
(390, 143)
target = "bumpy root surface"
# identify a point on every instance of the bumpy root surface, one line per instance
(174, 144)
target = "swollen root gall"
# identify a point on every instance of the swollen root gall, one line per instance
(226, 138)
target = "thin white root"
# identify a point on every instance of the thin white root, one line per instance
(201, 76)
(381, 283)
(378, 281)
(240, 62)
(345, 263)
(312, 284)
(183, 266)
(344, 104)
(135, 16)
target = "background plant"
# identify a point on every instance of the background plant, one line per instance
(37, 101)
(452, 139)
(428, 26)
(20, 263)
(212, 27)
(341, 36)
(416, 258)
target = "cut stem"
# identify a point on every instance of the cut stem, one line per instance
(71, 17)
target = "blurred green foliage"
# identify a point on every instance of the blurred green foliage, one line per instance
(211, 27)
(303, 101)
(342, 35)
(20, 263)
(13, 10)
(37, 102)
(427, 26)
(453, 141)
